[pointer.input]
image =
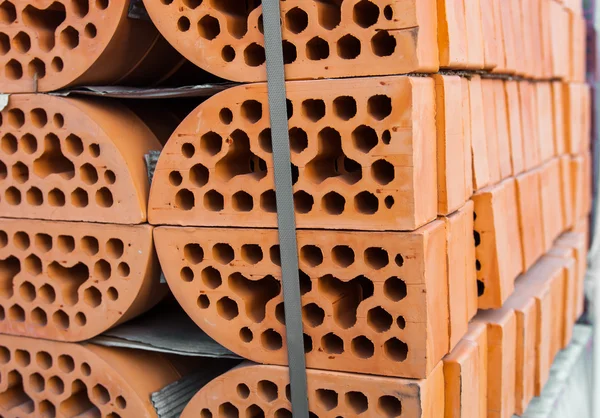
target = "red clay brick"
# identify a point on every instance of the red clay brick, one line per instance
(577, 242)
(462, 277)
(257, 390)
(559, 117)
(58, 379)
(530, 217)
(497, 243)
(552, 209)
(515, 125)
(452, 34)
(566, 191)
(362, 153)
(490, 40)
(65, 159)
(577, 28)
(543, 49)
(465, 375)
(454, 171)
(71, 282)
(321, 40)
(545, 121)
(559, 30)
(531, 153)
(502, 131)
(48, 45)
(491, 132)
(475, 53)
(379, 309)
(501, 375)
(570, 289)
(479, 151)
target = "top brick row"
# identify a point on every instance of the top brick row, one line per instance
(49, 45)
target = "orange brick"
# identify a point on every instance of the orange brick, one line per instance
(252, 390)
(497, 241)
(491, 54)
(465, 376)
(367, 308)
(543, 50)
(577, 62)
(508, 36)
(559, 117)
(65, 159)
(501, 52)
(552, 209)
(502, 130)
(515, 126)
(530, 217)
(462, 278)
(559, 30)
(570, 289)
(481, 170)
(453, 148)
(362, 155)
(501, 331)
(531, 157)
(49, 378)
(577, 242)
(452, 34)
(321, 39)
(545, 121)
(475, 52)
(491, 132)
(478, 335)
(566, 189)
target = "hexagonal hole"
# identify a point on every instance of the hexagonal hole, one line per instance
(348, 47)
(92, 296)
(208, 27)
(227, 308)
(296, 20)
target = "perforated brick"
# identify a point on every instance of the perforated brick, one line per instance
(47, 45)
(373, 303)
(320, 39)
(256, 391)
(531, 225)
(71, 282)
(54, 379)
(66, 159)
(363, 153)
(497, 243)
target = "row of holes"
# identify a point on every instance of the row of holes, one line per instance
(56, 197)
(114, 247)
(38, 117)
(39, 317)
(53, 154)
(326, 399)
(332, 203)
(348, 48)
(310, 255)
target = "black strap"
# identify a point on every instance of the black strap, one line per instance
(285, 207)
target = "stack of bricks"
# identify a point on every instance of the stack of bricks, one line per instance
(419, 200)
(76, 254)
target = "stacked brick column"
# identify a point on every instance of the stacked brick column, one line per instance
(492, 144)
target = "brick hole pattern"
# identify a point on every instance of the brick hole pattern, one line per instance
(259, 391)
(56, 163)
(324, 39)
(364, 306)
(48, 45)
(480, 280)
(63, 283)
(353, 151)
(64, 380)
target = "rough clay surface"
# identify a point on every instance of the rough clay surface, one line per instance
(258, 391)
(54, 379)
(321, 39)
(362, 153)
(375, 303)
(65, 159)
(47, 45)
(69, 282)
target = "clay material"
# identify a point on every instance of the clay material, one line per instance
(531, 225)
(465, 375)
(373, 303)
(320, 39)
(67, 380)
(69, 282)
(48, 45)
(497, 243)
(66, 159)
(256, 390)
(362, 152)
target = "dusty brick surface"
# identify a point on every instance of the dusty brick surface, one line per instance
(362, 152)
(256, 390)
(58, 379)
(65, 159)
(321, 40)
(375, 303)
(48, 45)
(69, 282)
(497, 243)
